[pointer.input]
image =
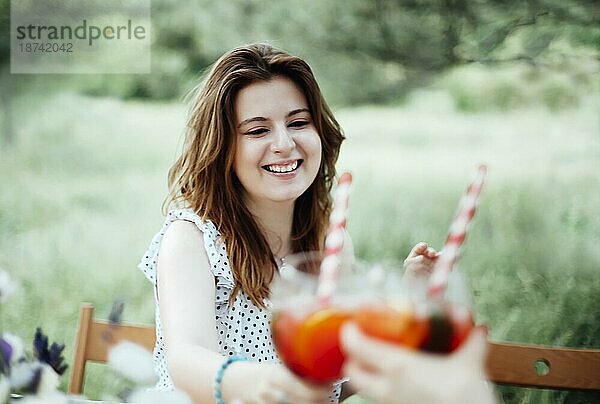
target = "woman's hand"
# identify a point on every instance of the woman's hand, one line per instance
(275, 384)
(393, 374)
(420, 261)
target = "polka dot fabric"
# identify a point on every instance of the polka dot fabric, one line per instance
(242, 328)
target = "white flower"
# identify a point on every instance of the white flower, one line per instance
(133, 362)
(49, 382)
(4, 389)
(145, 396)
(22, 374)
(7, 286)
(18, 351)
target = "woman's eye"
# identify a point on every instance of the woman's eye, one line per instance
(256, 132)
(299, 124)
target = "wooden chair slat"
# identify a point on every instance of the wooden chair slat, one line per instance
(95, 338)
(567, 368)
(86, 315)
(103, 335)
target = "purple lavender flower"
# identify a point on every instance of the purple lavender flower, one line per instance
(6, 352)
(25, 377)
(52, 356)
(116, 312)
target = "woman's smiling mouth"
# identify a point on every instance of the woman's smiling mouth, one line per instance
(286, 167)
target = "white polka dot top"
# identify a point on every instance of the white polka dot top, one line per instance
(242, 328)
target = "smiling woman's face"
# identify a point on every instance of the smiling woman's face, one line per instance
(278, 150)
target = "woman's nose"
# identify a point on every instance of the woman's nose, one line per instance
(283, 142)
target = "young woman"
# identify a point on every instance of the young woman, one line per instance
(252, 186)
(253, 183)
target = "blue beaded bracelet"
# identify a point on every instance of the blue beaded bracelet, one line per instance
(219, 377)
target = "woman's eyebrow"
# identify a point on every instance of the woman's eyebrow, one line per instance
(255, 119)
(262, 119)
(297, 111)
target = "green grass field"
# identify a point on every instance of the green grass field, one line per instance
(82, 190)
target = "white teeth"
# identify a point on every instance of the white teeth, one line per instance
(283, 169)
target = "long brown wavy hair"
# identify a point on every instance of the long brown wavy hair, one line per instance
(203, 178)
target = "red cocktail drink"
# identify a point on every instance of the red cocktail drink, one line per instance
(411, 319)
(440, 331)
(393, 323)
(306, 332)
(309, 343)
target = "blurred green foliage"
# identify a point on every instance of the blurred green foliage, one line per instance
(363, 51)
(481, 88)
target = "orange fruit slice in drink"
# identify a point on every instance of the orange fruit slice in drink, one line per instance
(319, 344)
(396, 324)
(285, 329)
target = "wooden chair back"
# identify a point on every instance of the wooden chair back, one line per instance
(543, 367)
(94, 339)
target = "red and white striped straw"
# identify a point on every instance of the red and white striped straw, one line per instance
(456, 236)
(334, 241)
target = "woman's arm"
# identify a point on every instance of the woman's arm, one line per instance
(186, 289)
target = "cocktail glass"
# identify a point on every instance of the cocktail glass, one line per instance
(306, 331)
(405, 314)
(384, 304)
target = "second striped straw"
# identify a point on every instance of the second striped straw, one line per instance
(456, 236)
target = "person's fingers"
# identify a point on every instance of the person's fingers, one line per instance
(369, 383)
(367, 351)
(275, 390)
(431, 253)
(273, 395)
(475, 347)
(418, 249)
(418, 260)
(419, 264)
(316, 394)
(414, 260)
(421, 251)
(296, 390)
(294, 396)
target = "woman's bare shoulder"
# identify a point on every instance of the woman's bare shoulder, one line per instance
(182, 239)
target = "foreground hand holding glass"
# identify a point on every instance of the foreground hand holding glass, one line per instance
(388, 373)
